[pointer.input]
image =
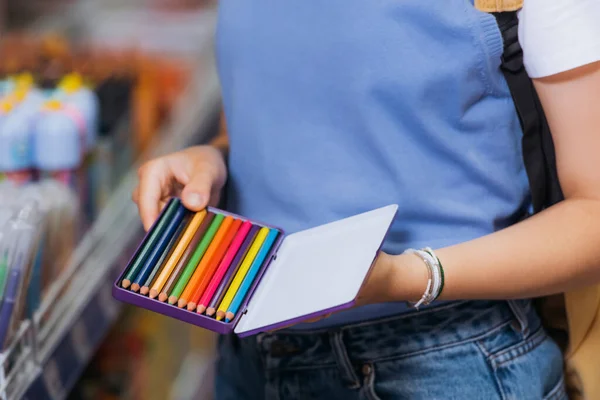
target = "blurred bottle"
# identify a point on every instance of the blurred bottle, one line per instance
(59, 142)
(5, 82)
(16, 132)
(73, 92)
(75, 95)
(9, 67)
(26, 94)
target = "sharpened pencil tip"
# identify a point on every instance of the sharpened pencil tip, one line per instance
(172, 300)
(162, 297)
(153, 293)
(191, 306)
(126, 283)
(181, 303)
(201, 309)
(135, 287)
(229, 316)
(210, 311)
(144, 290)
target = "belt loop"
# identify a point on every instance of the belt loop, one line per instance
(520, 309)
(342, 360)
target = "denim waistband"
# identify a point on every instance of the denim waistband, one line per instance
(399, 336)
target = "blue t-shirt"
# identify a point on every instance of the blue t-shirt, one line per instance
(338, 107)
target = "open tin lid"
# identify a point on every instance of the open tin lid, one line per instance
(317, 271)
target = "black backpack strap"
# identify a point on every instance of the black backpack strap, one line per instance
(538, 146)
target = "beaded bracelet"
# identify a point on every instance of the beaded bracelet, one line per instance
(435, 271)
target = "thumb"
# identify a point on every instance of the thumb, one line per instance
(196, 194)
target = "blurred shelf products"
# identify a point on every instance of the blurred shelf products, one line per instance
(147, 357)
(123, 81)
(75, 121)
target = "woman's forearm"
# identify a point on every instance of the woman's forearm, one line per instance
(551, 252)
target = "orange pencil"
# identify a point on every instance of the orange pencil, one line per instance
(191, 286)
(179, 249)
(214, 263)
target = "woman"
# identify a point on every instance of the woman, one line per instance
(338, 107)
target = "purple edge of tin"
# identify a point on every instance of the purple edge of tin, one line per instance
(210, 323)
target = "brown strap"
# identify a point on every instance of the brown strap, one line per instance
(498, 5)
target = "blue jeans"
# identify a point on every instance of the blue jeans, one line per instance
(461, 350)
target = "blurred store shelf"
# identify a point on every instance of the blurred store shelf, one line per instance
(137, 22)
(49, 353)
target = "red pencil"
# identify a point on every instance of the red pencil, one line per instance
(212, 265)
(224, 266)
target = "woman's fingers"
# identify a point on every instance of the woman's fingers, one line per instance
(197, 174)
(154, 176)
(196, 193)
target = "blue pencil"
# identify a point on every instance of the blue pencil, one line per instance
(252, 272)
(159, 248)
(13, 286)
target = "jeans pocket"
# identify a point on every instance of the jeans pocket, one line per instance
(531, 368)
(558, 392)
(457, 372)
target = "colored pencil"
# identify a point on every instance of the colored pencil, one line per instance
(224, 265)
(251, 275)
(214, 263)
(239, 277)
(206, 260)
(3, 273)
(150, 243)
(196, 257)
(232, 271)
(159, 248)
(166, 254)
(13, 285)
(185, 257)
(199, 218)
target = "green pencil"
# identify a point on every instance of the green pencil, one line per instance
(196, 257)
(150, 243)
(3, 274)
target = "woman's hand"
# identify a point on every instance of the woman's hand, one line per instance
(196, 174)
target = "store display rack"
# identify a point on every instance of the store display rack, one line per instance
(49, 352)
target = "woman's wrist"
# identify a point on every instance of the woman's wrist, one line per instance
(408, 278)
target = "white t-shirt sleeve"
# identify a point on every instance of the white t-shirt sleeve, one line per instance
(559, 35)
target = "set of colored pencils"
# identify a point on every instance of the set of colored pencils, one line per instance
(204, 261)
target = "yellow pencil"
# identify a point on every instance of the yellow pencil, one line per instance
(179, 249)
(241, 274)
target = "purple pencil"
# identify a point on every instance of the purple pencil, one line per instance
(235, 265)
